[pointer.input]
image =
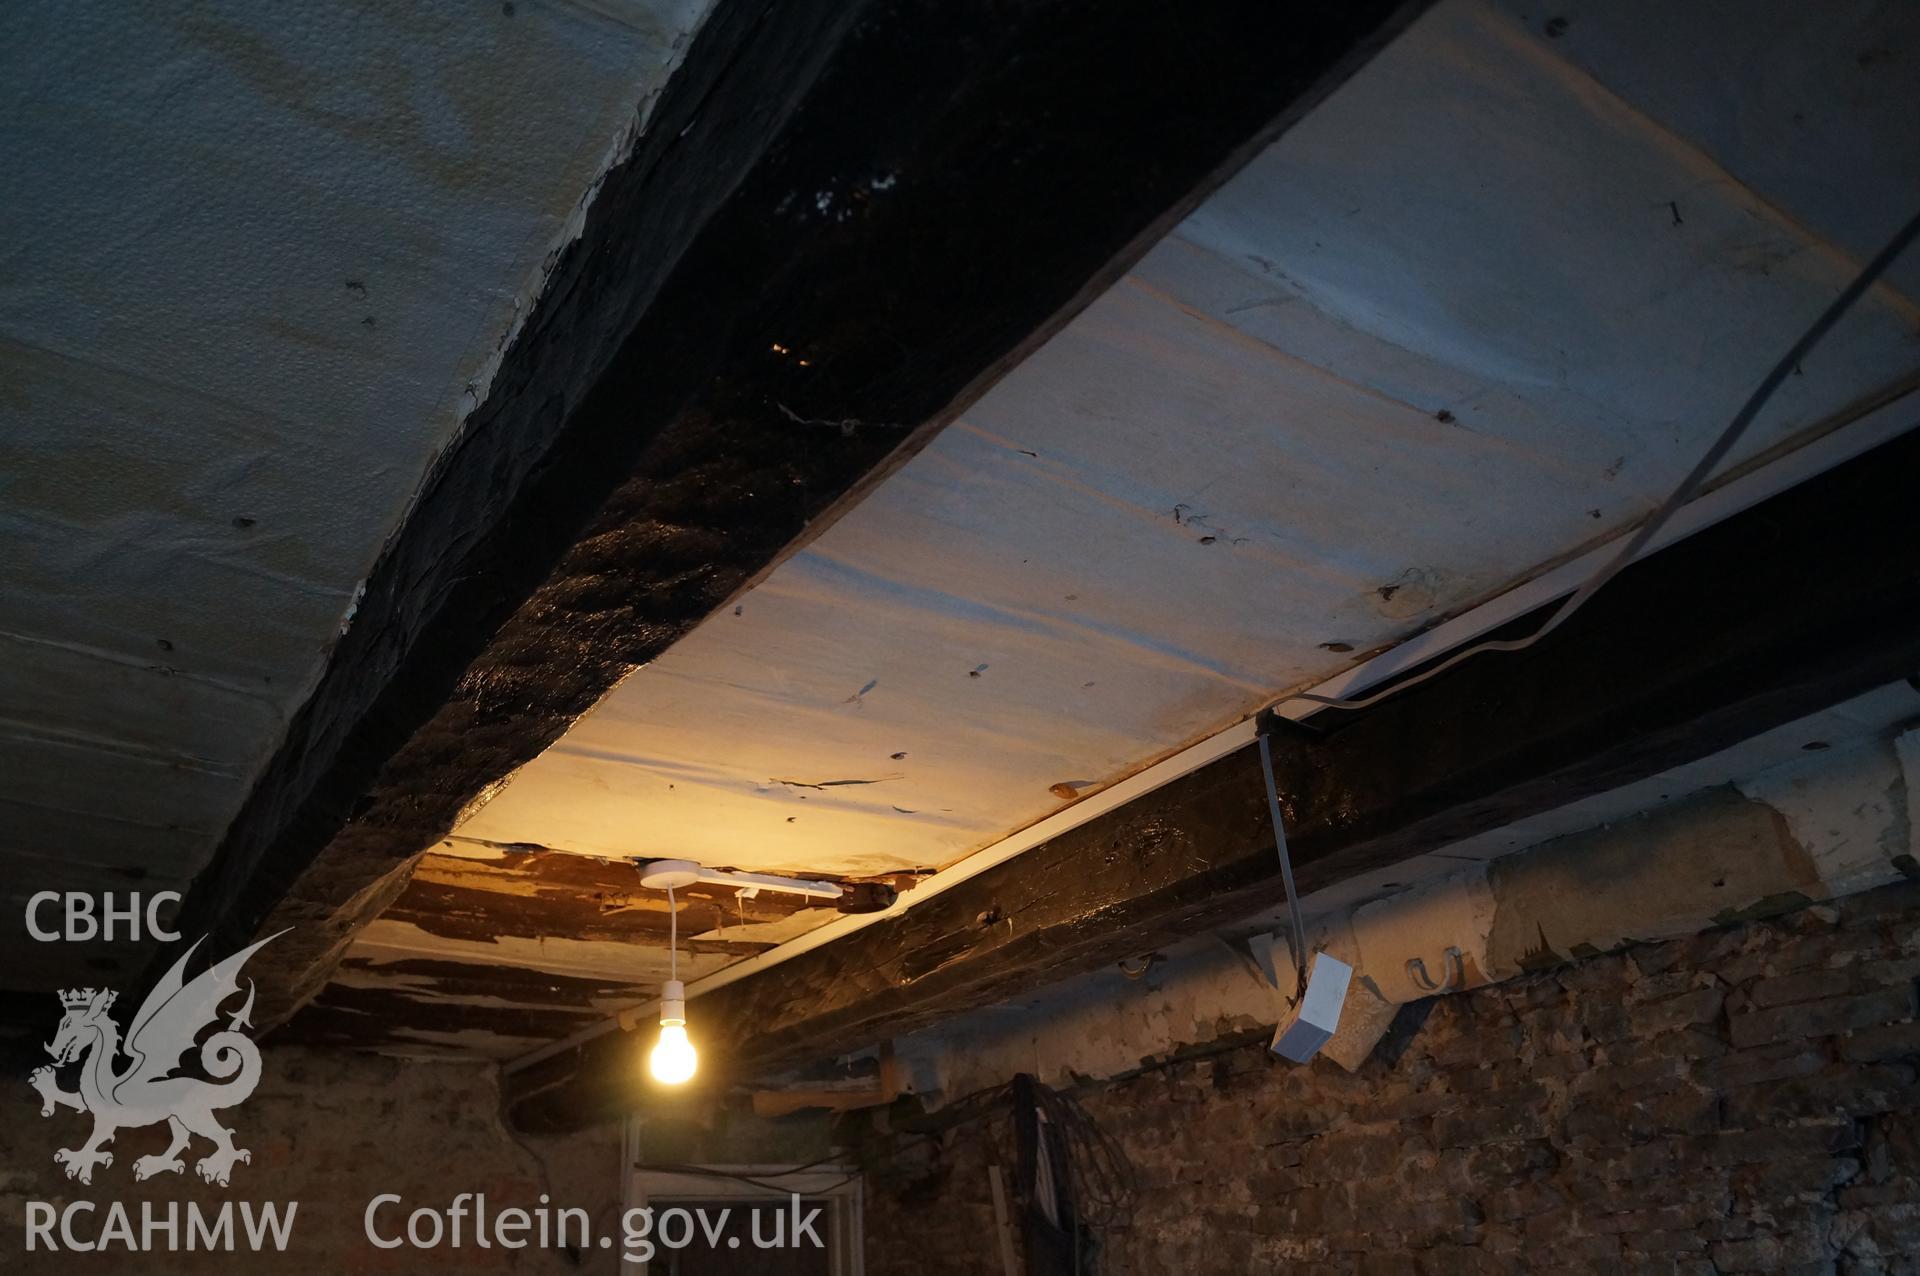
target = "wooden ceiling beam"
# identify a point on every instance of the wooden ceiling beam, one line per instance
(843, 221)
(1800, 602)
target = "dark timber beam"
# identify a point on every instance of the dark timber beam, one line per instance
(846, 218)
(1800, 602)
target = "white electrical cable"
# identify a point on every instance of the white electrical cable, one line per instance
(1286, 870)
(1219, 745)
(673, 937)
(1787, 365)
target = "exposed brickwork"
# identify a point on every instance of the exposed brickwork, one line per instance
(1742, 1101)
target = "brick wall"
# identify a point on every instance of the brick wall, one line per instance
(1742, 1101)
(329, 1130)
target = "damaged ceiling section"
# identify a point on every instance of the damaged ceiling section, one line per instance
(498, 950)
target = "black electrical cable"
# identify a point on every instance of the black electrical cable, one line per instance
(1102, 1179)
(968, 1107)
(1685, 492)
(706, 1171)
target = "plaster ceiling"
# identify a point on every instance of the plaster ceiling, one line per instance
(1478, 311)
(1446, 331)
(255, 265)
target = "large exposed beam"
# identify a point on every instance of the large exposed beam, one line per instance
(846, 218)
(1802, 601)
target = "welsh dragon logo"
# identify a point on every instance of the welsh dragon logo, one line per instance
(145, 1091)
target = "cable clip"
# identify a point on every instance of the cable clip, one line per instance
(1454, 968)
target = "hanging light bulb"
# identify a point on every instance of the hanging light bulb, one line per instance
(673, 1059)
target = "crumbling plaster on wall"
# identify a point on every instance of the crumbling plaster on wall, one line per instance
(1852, 820)
(1741, 1100)
(1815, 829)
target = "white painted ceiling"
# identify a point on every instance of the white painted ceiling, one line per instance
(256, 263)
(1480, 309)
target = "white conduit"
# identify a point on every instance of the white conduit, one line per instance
(1837, 444)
